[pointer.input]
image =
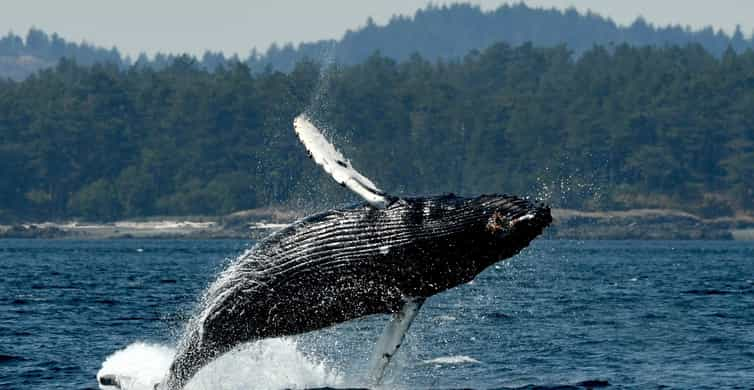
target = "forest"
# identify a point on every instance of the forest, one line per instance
(616, 127)
(435, 32)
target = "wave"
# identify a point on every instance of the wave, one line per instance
(716, 292)
(457, 359)
(583, 385)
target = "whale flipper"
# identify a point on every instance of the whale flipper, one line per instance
(392, 338)
(332, 161)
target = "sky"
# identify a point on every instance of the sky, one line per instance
(236, 26)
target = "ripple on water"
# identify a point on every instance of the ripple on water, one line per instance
(7, 359)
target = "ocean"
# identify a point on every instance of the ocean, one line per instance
(562, 314)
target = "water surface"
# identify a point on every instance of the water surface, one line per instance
(629, 314)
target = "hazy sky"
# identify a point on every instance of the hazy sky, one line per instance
(235, 26)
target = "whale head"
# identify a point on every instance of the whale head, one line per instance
(458, 237)
(511, 221)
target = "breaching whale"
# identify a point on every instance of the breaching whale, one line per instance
(382, 257)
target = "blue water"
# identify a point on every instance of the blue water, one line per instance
(628, 314)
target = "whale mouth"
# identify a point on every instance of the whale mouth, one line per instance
(516, 214)
(525, 217)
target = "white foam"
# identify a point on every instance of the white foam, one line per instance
(457, 359)
(143, 364)
(266, 364)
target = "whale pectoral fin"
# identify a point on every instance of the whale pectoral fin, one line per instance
(324, 153)
(392, 337)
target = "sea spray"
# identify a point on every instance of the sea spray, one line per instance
(321, 99)
(567, 190)
(141, 365)
(313, 192)
(266, 364)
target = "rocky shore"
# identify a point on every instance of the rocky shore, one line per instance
(651, 224)
(247, 224)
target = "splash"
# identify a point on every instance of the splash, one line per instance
(313, 196)
(571, 190)
(141, 365)
(321, 99)
(266, 364)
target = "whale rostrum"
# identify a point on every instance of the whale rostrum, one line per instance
(385, 256)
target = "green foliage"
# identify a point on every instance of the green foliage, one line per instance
(136, 191)
(97, 200)
(616, 127)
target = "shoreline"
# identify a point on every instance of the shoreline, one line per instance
(639, 224)
(647, 224)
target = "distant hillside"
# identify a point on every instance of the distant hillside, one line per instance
(21, 66)
(452, 31)
(434, 32)
(21, 57)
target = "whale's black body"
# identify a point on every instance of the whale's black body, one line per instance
(347, 263)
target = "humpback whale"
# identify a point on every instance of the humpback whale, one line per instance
(385, 256)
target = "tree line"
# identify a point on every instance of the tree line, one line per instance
(616, 127)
